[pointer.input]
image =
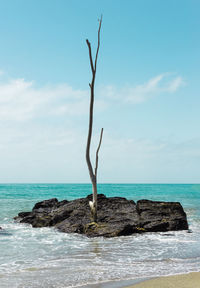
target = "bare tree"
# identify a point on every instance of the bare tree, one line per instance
(93, 172)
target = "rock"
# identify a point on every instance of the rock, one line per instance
(161, 216)
(24, 214)
(117, 216)
(46, 204)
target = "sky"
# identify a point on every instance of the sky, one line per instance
(147, 94)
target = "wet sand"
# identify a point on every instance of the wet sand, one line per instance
(191, 280)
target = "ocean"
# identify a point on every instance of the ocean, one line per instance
(45, 258)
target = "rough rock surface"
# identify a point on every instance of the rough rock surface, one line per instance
(116, 216)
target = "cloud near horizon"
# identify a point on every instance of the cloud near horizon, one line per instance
(61, 157)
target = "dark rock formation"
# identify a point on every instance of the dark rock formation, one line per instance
(116, 216)
(161, 216)
(46, 204)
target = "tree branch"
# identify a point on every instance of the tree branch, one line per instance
(95, 65)
(93, 204)
(97, 158)
(90, 55)
(92, 176)
(90, 168)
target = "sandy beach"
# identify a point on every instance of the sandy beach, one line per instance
(191, 280)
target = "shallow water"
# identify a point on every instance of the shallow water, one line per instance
(45, 258)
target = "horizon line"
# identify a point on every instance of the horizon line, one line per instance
(101, 183)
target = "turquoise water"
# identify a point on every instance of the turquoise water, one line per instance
(46, 258)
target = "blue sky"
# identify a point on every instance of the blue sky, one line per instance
(147, 90)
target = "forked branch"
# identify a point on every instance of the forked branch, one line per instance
(97, 158)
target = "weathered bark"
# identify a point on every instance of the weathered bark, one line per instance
(93, 173)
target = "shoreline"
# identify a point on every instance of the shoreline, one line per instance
(116, 283)
(188, 280)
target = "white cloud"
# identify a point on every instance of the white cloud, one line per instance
(163, 83)
(41, 151)
(20, 100)
(175, 84)
(43, 131)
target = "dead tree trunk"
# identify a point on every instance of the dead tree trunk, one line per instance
(93, 173)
